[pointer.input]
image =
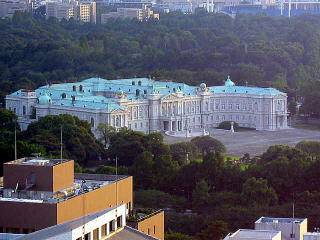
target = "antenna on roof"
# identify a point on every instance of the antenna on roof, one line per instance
(15, 142)
(293, 210)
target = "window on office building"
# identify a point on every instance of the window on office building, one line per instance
(112, 226)
(119, 221)
(87, 236)
(95, 234)
(104, 230)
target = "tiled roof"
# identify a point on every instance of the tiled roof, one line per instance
(100, 93)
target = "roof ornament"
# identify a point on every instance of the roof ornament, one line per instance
(229, 83)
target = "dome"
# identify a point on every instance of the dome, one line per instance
(44, 99)
(203, 85)
(228, 82)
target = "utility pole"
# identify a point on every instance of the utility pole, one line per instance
(15, 143)
(61, 143)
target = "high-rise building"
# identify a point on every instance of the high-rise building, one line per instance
(9, 7)
(82, 11)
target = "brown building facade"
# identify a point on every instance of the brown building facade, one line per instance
(38, 193)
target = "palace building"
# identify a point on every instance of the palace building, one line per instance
(147, 105)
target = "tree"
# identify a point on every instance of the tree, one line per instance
(257, 192)
(310, 147)
(142, 170)
(207, 144)
(216, 230)
(200, 196)
(177, 236)
(183, 152)
(106, 132)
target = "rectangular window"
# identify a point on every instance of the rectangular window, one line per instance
(87, 236)
(148, 231)
(223, 106)
(217, 106)
(96, 234)
(238, 107)
(119, 221)
(154, 229)
(112, 226)
(230, 106)
(104, 230)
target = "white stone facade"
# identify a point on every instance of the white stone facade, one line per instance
(150, 106)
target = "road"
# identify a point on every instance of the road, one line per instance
(256, 142)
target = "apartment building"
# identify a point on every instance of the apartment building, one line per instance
(138, 13)
(82, 11)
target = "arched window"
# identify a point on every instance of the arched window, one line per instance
(63, 95)
(92, 122)
(133, 83)
(137, 92)
(145, 92)
(24, 110)
(139, 83)
(81, 88)
(74, 88)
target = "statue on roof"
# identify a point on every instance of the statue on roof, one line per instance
(229, 83)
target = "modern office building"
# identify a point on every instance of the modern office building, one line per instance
(39, 193)
(107, 224)
(291, 228)
(138, 13)
(146, 105)
(246, 234)
(9, 7)
(82, 11)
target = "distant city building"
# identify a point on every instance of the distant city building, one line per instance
(83, 11)
(146, 105)
(140, 14)
(245, 234)
(9, 7)
(291, 228)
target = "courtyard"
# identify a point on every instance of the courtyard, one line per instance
(255, 142)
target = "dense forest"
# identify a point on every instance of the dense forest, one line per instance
(255, 50)
(205, 193)
(222, 194)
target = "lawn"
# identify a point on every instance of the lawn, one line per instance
(308, 127)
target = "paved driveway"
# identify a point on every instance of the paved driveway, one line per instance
(256, 142)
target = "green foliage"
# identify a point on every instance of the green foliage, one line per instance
(226, 125)
(106, 132)
(282, 53)
(158, 199)
(200, 196)
(312, 148)
(177, 236)
(183, 151)
(216, 230)
(78, 141)
(257, 191)
(207, 144)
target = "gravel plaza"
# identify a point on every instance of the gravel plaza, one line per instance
(255, 142)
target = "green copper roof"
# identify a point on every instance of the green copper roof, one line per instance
(98, 93)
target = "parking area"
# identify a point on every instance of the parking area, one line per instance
(256, 142)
